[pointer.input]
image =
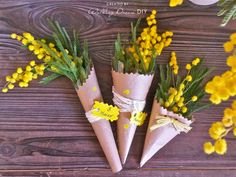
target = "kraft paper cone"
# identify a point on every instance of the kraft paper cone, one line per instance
(158, 138)
(88, 93)
(132, 86)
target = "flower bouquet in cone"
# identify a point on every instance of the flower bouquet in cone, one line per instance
(177, 98)
(133, 69)
(65, 57)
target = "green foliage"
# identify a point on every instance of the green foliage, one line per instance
(74, 62)
(228, 10)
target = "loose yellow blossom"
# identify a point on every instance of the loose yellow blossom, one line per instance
(216, 130)
(208, 148)
(228, 46)
(219, 130)
(174, 3)
(220, 146)
(227, 121)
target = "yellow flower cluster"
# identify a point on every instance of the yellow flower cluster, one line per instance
(222, 87)
(176, 100)
(23, 77)
(219, 130)
(173, 63)
(35, 47)
(149, 42)
(174, 3)
(229, 45)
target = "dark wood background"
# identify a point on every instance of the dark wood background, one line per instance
(43, 130)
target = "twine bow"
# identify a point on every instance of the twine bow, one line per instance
(165, 120)
(127, 105)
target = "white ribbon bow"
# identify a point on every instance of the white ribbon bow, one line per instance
(91, 118)
(126, 104)
(165, 120)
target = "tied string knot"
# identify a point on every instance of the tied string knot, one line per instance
(126, 104)
(179, 126)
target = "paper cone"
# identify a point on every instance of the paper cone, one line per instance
(132, 86)
(88, 93)
(158, 138)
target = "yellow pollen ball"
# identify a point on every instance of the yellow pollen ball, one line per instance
(189, 78)
(11, 86)
(188, 66)
(19, 70)
(184, 109)
(24, 41)
(32, 63)
(31, 47)
(5, 90)
(13, 35)
(194, 98)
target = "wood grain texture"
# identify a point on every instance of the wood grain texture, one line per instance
(43, 130)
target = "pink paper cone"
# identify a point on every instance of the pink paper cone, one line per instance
(132, 86)
(158, 138)
(88, 93)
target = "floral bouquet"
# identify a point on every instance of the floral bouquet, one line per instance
(65, 57)
(133, 69)
(176, 99)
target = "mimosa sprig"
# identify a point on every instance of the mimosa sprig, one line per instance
(182, 94)
(62, 57)
(139, 55)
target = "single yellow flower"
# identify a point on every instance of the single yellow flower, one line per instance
(184, 109)
(228, 46)
(221, 146)
(10, 86)
(19, 70)
(194, 98)
(215, 99)
(13, 35)
(5, 90)
(210, 88)
(233, 38)
(175, 109)
(216, 130)
(167, 104)
(189, 78)
(208, 148)
(174, 3)
(188, 66)
(229, 113)
(227, 121)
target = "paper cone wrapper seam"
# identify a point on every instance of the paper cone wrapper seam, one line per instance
(158, 138)
(135, 87)
(88, 93)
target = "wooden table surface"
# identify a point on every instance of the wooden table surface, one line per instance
(43, 130)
